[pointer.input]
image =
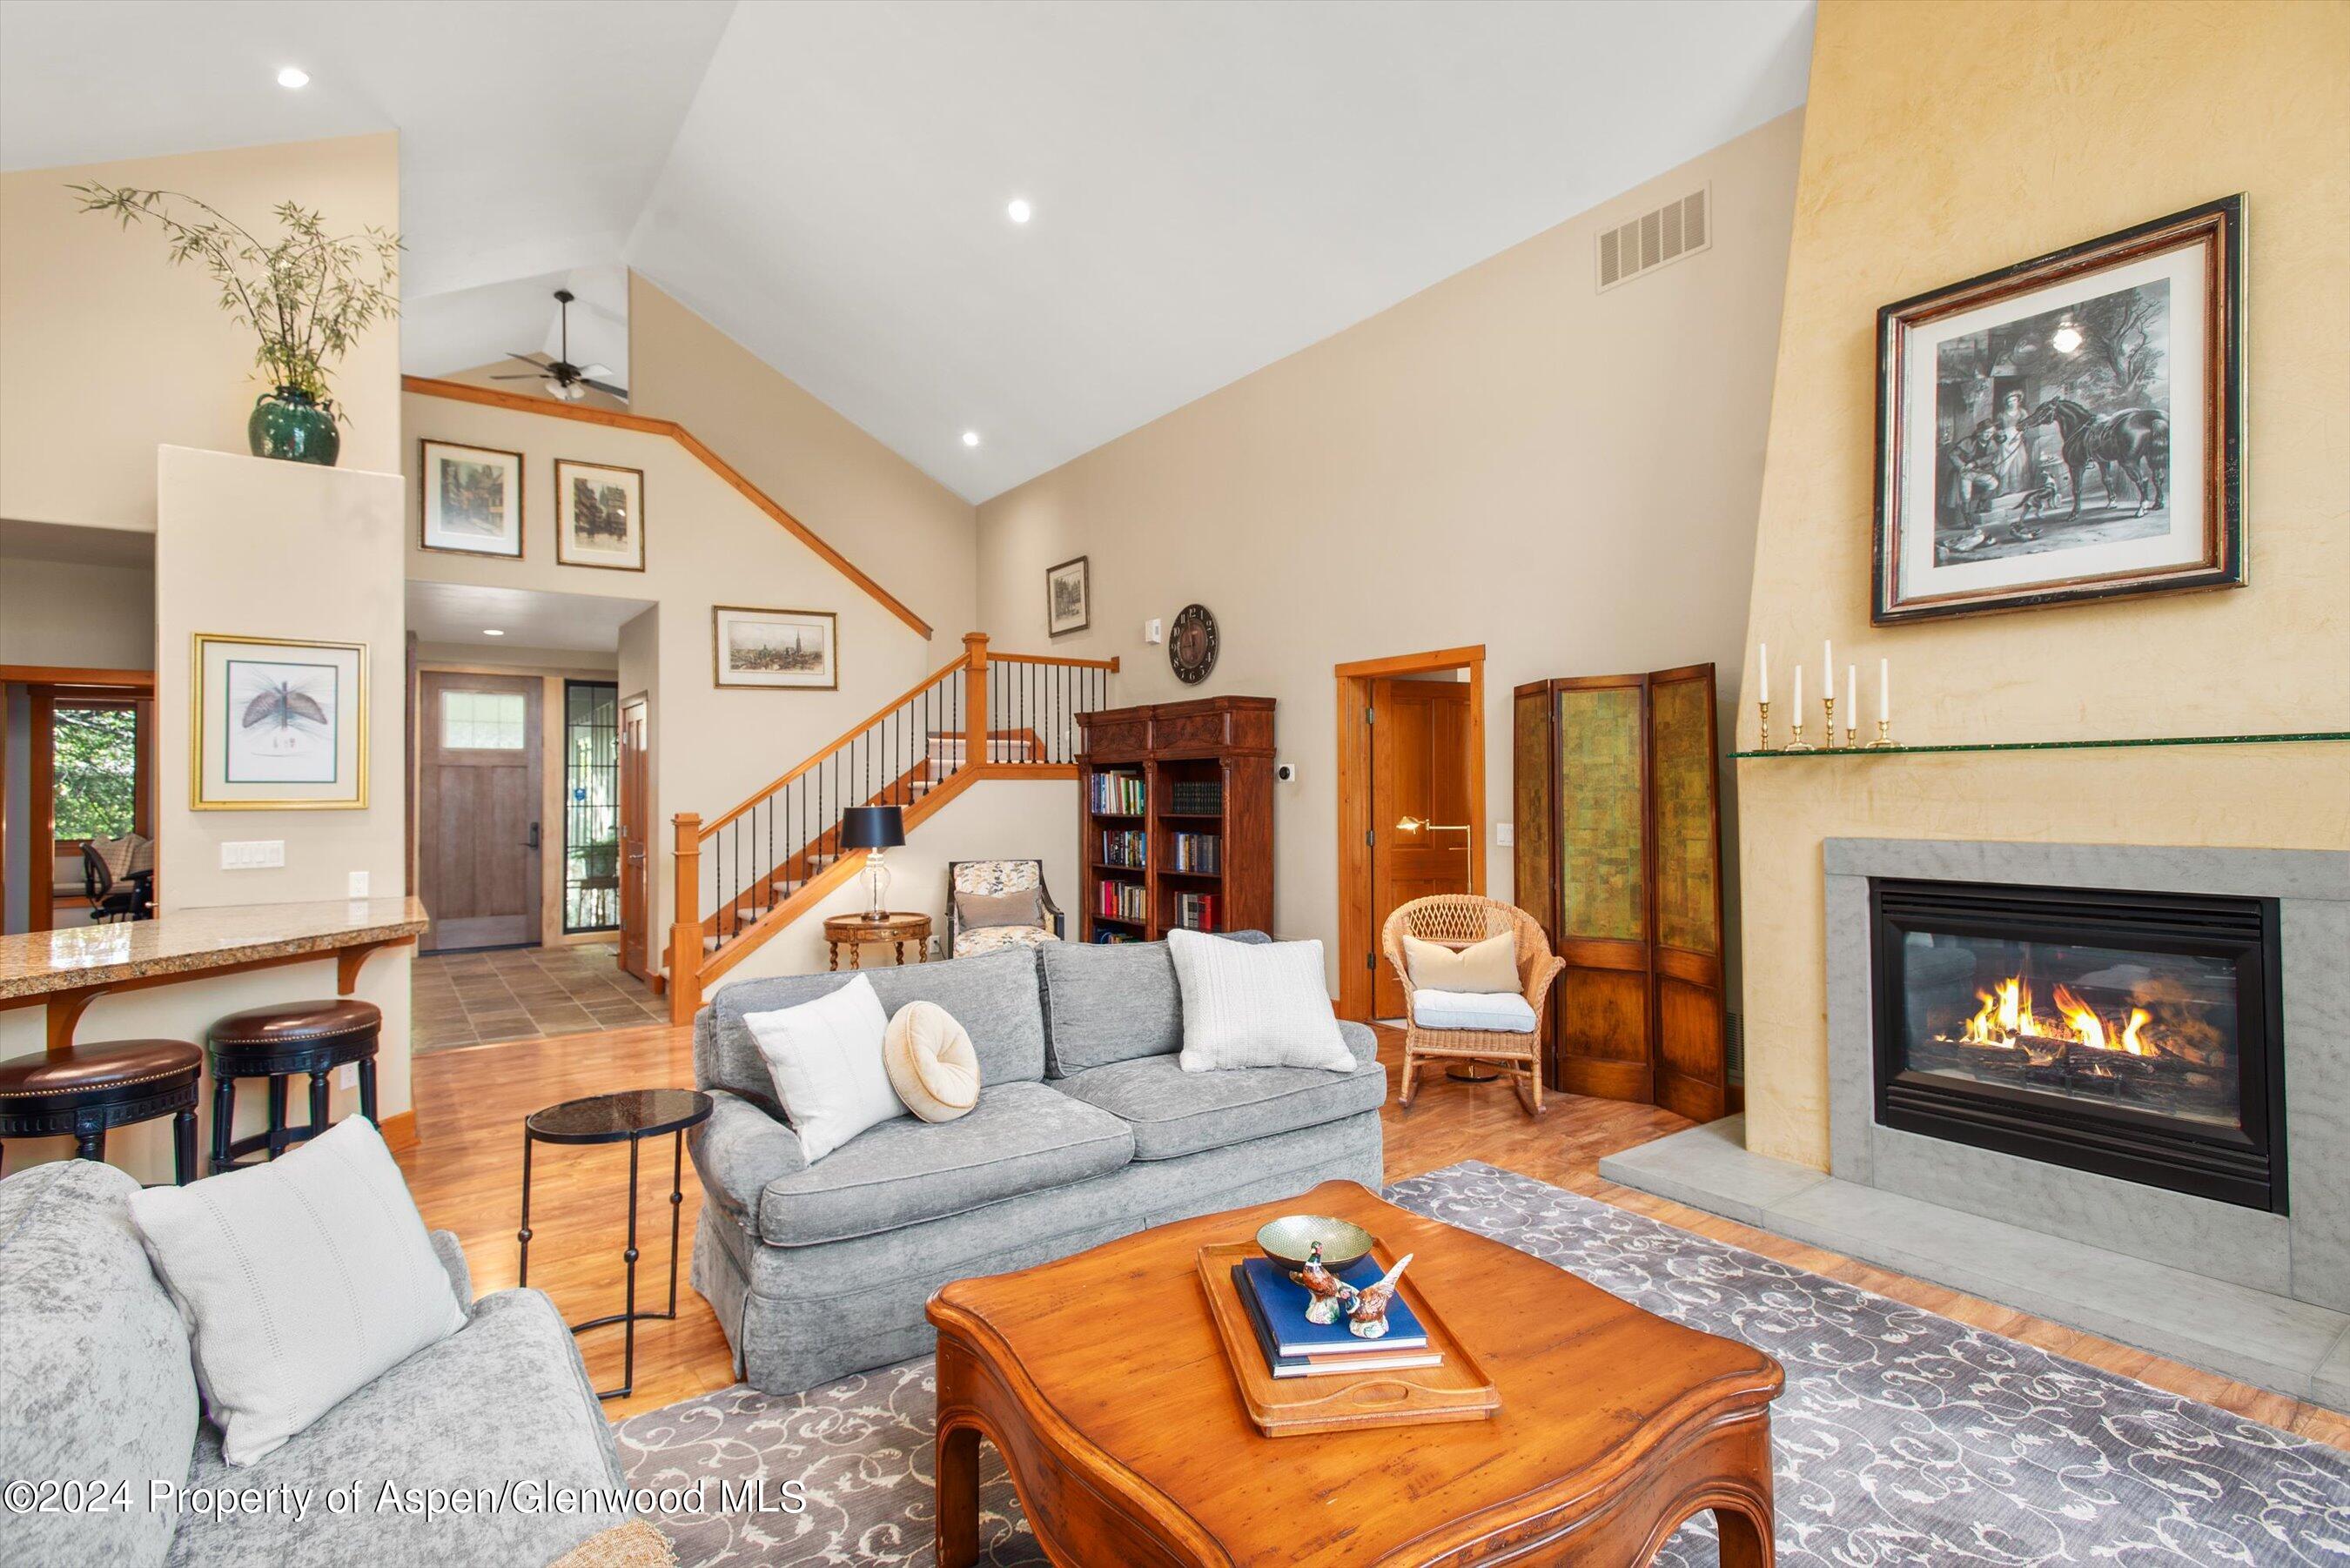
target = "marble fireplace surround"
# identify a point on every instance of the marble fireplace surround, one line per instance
(2264, 1298)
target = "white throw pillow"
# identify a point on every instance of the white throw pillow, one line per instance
(825, 1060)
(302, 1280)
(1255, 1005)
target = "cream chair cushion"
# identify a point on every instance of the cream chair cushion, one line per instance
(990, 939)
(931, 1062)
(1488, 966)
(1501, 1013)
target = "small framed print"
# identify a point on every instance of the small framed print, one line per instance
(781, 650)
(2068, 427)
(599, 516)
(280, 725)
(473, 500)
(1068, 597)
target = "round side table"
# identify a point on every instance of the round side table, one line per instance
(634, 1114)
(852, 931)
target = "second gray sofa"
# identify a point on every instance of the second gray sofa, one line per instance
(1086, 1130)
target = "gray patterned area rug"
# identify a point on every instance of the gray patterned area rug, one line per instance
(1902, 1438)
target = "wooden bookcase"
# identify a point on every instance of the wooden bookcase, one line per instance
(1200, 771)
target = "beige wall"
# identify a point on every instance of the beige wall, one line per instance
(76, 612)
(263, 548)
(899, 525)
(107, 351)
(1914, 176)
(705, 545)
(1508, 459)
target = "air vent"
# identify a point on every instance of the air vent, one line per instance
(1675, 230)
(1733, 1029)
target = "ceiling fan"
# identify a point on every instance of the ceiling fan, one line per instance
(564, 380)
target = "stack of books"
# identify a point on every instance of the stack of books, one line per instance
(1202, 852)
(1124, 901)
(1125, 847)
(1117, 794)
(1295, 1347)
(1197, 797)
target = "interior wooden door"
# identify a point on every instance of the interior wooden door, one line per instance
(1421, 839)
(478, 829)
(1685, 828)
(1602, 1018)
(636, 866)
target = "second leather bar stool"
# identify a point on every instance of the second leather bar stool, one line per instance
(276, 1042)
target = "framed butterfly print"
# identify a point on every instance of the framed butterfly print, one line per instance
(280, 725)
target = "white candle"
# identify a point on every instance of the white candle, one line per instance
(1767, 671)
(1885, 690)
(1827, 667)
(1799, 694)
(1851, 695)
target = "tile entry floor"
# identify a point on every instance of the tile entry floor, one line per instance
(525, 993)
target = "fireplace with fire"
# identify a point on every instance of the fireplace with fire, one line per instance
(2130, 1033)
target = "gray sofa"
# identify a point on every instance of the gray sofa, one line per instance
(96, 1385)
(1086, 1130)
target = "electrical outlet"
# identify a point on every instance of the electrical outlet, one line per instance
(253, 855)
(1505, 834)
(347, 1076)
(1154, 631)
(359, 884)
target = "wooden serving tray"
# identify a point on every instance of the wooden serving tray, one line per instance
(1456, 1389)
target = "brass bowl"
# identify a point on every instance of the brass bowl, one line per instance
(1287, 1240)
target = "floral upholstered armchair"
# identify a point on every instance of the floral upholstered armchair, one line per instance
(994, 904)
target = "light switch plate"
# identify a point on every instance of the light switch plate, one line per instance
(359, 884)
(347, 1076)
(252, 854)
(1505, 834)
(1154, 631)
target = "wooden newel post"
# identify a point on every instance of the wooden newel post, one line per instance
(974, 697)
(685, 930)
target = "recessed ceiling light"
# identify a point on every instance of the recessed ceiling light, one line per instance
(293, 76)
(491, 632)
(1019, 211)
(970, 437)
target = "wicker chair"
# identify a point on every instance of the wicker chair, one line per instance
(1457, 920)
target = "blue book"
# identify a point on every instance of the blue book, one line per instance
(1322, 1366)
(1284, 1302)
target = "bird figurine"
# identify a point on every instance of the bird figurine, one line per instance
(1330, 1292)
(1367, 1318)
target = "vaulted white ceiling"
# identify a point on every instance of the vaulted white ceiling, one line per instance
(1214, 185)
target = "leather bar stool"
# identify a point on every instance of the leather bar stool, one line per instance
(85, 1090)
(276, 1042)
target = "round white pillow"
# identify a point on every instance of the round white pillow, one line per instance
(931, 1062)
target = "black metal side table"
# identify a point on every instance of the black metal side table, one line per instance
(634, 1114)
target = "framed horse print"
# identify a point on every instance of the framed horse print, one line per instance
(2069, 428)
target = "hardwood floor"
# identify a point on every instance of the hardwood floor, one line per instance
(466, 1173)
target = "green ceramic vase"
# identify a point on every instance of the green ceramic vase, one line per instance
(289, 423)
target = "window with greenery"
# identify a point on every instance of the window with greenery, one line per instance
(591, 806)
(96, 774)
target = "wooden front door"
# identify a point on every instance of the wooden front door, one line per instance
(636, 865)
(1420, 777)
(479, 747)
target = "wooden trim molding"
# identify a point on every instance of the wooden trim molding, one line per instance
(523, 403)
(1357, 928)
(399, 1130)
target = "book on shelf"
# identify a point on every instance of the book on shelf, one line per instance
(1197, 797)
(1108, 937)
(1200, 852)
(1122, 901)
(1125, 847)
(1115, 794)
(1282, 1301)
(1200, 911)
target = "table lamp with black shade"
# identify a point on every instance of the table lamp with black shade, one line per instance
(876, 828)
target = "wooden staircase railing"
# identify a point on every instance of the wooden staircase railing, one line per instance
(744, 875)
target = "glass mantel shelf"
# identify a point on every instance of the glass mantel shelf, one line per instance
(1898, 749)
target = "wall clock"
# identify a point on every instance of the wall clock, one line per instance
(1191, 645)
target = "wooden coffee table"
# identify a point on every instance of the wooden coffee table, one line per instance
(1102, 1382)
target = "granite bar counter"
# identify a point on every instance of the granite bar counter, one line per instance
(66, 970)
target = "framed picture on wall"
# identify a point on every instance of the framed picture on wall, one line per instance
(280, 725)
(1068, 597)
(473, 500)
(782, 650)
(2068, 427)
(599, 516)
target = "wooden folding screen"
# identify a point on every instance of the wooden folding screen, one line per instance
(1619, 858)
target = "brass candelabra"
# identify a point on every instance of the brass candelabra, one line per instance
(1827, 724)
(1764, 744)
(1884, 743)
